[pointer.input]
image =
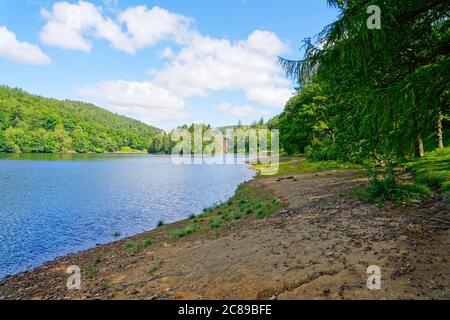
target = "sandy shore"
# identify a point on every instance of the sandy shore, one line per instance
(317, 247)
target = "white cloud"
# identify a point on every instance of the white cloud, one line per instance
(269, 96)
(199, 66)
(209, 64)
(140, 100)
(147, 27)
(72, 26)
(167, 53)
(18, 51)
(242, 112)
(111, 5)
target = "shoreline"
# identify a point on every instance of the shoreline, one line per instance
(117, 241)
(315, 244)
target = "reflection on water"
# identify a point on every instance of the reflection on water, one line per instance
(52, 208)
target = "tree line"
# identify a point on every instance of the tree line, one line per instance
(378, 94)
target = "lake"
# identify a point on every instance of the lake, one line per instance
(53, 205)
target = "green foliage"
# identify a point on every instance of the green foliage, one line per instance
(147, 243)
(431, 179)
(155, 266)
(322, 150)
(303, 120)
(91, 269)
(248, 200)
(31, 123)
(131, 245)
(215, 224)
(446, 186)
(383, 188)
(180, 233)
(383, 90)
(433, 169)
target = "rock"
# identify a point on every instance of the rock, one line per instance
(273, 298)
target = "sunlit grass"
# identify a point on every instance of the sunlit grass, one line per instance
(297, 166)
(433, 170)
(248, 201)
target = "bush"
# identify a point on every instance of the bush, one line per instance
(322, 150)
(215, 224)
(383, 188)
(380, 188)
(160, 223)
(147, 243)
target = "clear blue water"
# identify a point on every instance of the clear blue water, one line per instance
(53, 205)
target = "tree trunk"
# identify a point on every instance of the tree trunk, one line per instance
(419, 147)
(439, 140)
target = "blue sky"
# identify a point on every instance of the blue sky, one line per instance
(163, 62)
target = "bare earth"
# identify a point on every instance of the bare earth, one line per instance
(319, 247)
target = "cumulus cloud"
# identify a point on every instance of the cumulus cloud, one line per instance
(72, 26)
(167, 53)
(269, 95)
(209, 64)
(242, 111)
(24, 52)
(200, 65)
(141, 100)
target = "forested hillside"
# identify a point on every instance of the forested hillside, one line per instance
(30, 123)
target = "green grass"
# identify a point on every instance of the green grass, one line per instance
(446, 186)
(180, 233)
(248, 200)
(297, 166)
(215, 224)
(91, 268)
(136, 247)
(432, 170)
(155, 267)
(147, 243)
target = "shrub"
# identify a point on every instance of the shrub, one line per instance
(147, 243)
(215, 224)
(322, 150)
(381, 188)
(160, 223)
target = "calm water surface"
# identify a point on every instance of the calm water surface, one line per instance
(52, 205)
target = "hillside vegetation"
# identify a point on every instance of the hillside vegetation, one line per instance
(30, 123)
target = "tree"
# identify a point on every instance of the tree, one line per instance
(97, 130)
(388, 84)
(303, 120)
